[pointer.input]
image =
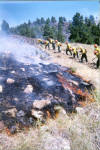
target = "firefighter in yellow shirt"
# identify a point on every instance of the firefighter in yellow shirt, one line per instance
(75, 52)
(97, 53)
(52, 42)
(83, 53)
(59, 46)
(68, 49)
(47, 44)
(41, 42)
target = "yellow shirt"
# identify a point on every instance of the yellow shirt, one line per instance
(46, 42)
(59, 44)
(74, 50)
(68, 46)
(97, 49)
(83, 50)
(39, 40)
(50, 40)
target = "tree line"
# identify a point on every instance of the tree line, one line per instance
(85, 30)
(80, 29)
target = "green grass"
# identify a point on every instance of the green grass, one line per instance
(73, 69)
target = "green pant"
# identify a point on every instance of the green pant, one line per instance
(98, 61)
(59, 50)
(68, 50)
(84, 56)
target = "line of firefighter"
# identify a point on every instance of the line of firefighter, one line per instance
(47, 43)
(72, 50)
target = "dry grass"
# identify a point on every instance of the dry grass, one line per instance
(81, 130)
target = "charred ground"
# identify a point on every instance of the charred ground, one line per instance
(49, 82)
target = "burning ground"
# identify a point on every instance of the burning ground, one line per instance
(32, 87)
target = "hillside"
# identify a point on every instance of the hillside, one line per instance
(87, 71)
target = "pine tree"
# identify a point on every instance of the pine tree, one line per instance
(42, 20)
(5, 26)
(38, 21)
(53, 19)
(48, 32)
(48, 21)
(60, 36)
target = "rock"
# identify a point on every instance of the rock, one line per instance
(37, 114)
(79, 110)
(13, 72)
(2, 126)
(21, 113)
(1, 89)
(74, 82)
(31, 68)
(10, 80)
(31, 120)
(60, 109)
(11, 112)
(28, 89)
(23, 69)
(16, 99)
(40, 104)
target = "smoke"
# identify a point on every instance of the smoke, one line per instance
(22, 51)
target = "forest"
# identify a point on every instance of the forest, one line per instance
(80, 29)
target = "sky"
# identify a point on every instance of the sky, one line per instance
(18, 12)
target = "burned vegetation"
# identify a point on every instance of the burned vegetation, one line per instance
(30, 92)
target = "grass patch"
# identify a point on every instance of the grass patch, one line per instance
(96, 95)
(73, 69)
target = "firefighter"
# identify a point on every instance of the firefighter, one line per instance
(52, 42)
(41, 42)
(97, 53)
(83, 53)
(47, 44)
(75, 52)
(59, 46)
(68, 49)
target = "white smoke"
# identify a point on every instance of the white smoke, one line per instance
(22, 51)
